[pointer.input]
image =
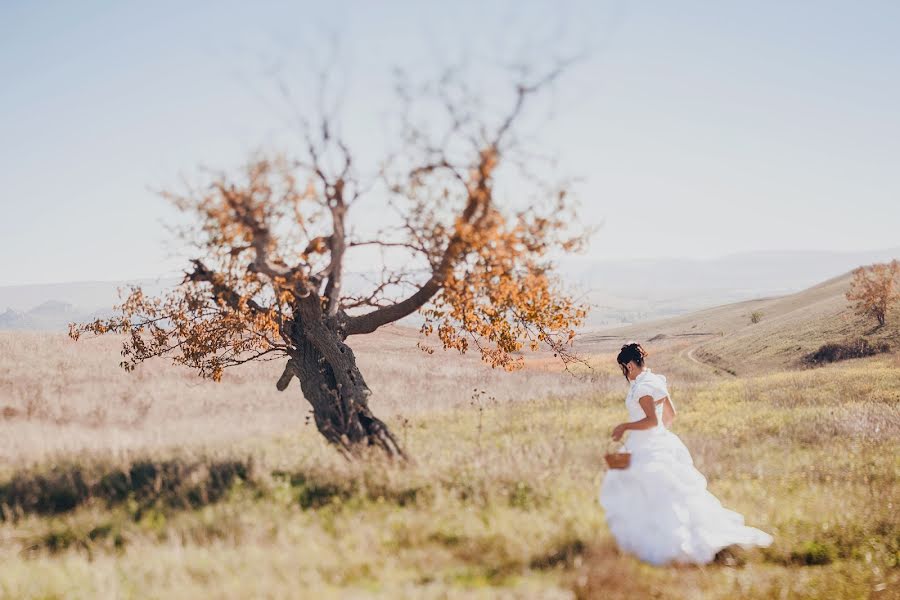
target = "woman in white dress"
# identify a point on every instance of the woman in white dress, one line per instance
(658, 508)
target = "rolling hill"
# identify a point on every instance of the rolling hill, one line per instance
(623, 292)
(788, 328)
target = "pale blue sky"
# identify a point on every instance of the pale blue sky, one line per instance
(699, 128)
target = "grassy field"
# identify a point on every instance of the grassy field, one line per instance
(156, 485)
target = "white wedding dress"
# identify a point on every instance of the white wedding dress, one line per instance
(659, 508)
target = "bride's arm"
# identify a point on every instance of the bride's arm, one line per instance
(669, 412)
(648, 422)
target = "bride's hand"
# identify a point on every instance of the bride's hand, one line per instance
(618, 432)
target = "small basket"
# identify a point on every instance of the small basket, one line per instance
(618, 460)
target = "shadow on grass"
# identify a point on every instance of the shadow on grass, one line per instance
(178, 484)
(174, 483)
(312, 492)
(566, 555)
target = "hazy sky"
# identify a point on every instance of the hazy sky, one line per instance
(699, 129)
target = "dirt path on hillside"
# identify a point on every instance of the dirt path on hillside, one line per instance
(688, 352)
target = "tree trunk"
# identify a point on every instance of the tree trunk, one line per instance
(333, 385)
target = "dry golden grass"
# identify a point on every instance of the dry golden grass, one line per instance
(58, 397)
(166, 487)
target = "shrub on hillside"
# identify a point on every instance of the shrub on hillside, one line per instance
(834, 352)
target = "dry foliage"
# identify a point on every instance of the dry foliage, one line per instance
(874, 289)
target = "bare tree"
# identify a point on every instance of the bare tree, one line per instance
(271, 246)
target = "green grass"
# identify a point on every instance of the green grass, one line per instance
(509, 506)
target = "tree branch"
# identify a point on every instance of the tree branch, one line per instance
(219, 289)
(338, 245)
(477, 203)
(371, 321)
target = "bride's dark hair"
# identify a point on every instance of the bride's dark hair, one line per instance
(631, 352)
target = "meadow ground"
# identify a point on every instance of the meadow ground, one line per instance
(157, 485)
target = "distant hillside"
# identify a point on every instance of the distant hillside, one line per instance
(84, 295)
(633, 291)
(789, 327)
(47, 316)
(51, 307)
(619, 292)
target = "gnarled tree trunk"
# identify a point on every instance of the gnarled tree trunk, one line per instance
(332, 383)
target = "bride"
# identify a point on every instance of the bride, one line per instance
(658, 508)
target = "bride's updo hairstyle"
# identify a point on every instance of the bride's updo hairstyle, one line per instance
(633, 352)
